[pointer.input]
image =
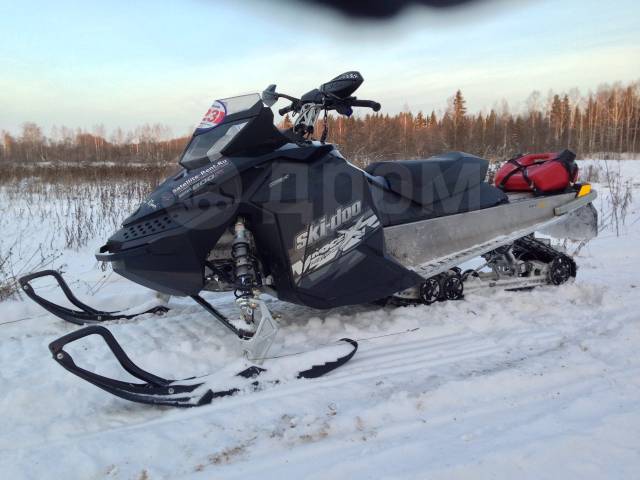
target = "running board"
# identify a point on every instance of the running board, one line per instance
(472, 234)
(445, 263)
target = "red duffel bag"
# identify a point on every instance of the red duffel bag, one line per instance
(538, 172)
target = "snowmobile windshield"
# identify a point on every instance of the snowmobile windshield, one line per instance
(222, 122)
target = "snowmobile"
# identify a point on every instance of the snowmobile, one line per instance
(259, 210)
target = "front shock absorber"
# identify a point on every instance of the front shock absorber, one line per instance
(253, 311)
(245, 274)
(241, 254)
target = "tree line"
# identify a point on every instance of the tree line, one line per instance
(604, 122)
(147, 144)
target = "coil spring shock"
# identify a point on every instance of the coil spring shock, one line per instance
(244, 266)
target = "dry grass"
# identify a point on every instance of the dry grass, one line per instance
(6, 288)
(592, 173)
(620, 194)
(81, 201)
(64, 207)
(608, 173)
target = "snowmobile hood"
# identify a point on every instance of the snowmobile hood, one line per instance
(181, 186)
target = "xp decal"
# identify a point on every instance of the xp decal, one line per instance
(345, 240)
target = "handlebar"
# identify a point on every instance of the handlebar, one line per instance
(375, 106)
(333, 104)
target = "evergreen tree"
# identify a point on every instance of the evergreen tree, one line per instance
(458, 117)
(433, 120)
(566, 120)
(556, 118)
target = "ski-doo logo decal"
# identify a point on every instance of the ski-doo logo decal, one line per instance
(326, 225)
(201, 178)
(214, 116)
(346, 240)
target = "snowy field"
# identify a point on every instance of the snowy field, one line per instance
(530, 385)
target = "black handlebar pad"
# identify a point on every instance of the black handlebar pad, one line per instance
(285, 110)
(375, 106)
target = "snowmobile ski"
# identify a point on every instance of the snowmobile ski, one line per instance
(195, 391)
(86, 314)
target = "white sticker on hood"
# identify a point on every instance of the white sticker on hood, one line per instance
(214, 116)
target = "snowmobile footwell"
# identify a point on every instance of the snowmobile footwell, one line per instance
(196, 391)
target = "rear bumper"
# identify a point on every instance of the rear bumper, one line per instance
(577, 219)
(576, 204)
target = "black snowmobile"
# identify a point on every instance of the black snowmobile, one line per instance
(258, 210)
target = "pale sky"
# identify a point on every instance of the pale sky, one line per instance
(126, 63)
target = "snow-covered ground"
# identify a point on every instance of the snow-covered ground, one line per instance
(539, 384)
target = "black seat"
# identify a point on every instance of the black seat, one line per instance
(445, 184)
(432, 179)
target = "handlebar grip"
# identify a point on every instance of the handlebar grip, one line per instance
(375, 106)
(285, 110)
